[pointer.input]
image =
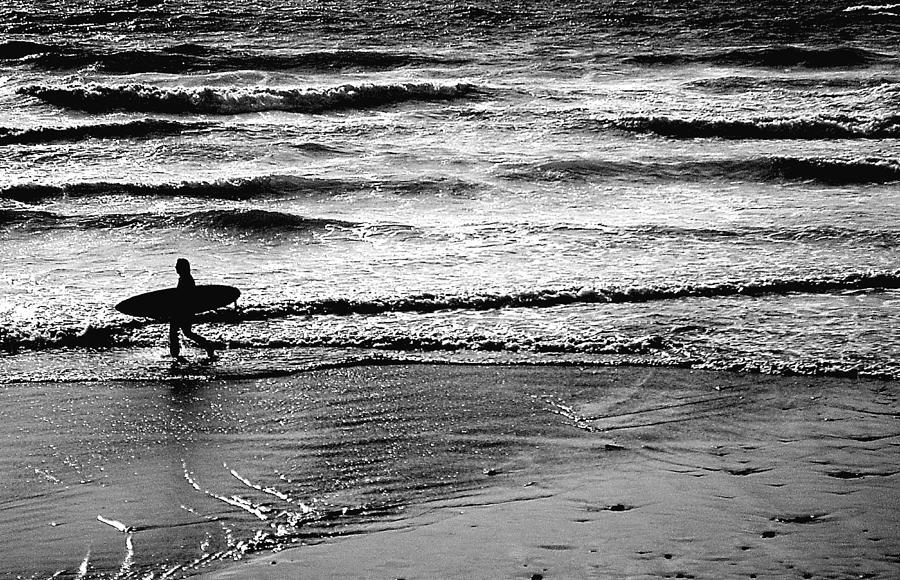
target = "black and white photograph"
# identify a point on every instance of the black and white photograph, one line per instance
(463, 290)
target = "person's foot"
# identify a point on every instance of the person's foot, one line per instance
(211, 354)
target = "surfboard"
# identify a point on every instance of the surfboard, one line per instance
(163, 304)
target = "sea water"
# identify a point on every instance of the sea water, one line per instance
(711, 185)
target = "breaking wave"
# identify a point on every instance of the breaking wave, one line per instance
(548, 298)
(769, 57)
(231, 189)
(99, 98)
(400, 342)
(224, 219)
(193, 58)
(235, 189)
(245, 220)
(882, 238)
(19, 217)
(398, 347)
(128, 130)
(876, 8)
(756, 234)
(763, 169)
(257, 219)
(425, 303)
(16, 49)
(132, 334)
(733, 83)
(275, 222)
(819, 127)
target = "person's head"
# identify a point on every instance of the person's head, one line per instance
(183, 267)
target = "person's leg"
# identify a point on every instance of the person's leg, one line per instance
(174, 346)
(201, 342)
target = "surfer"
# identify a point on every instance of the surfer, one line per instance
(184, 318)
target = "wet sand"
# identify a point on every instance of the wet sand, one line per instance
(451, 471)
(673, 474)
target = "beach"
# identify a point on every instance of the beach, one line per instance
(559, 289)
(711, 476)
(495, 472)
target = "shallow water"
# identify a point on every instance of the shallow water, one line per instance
(192, 472)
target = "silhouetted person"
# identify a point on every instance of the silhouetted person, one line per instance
(183, 317)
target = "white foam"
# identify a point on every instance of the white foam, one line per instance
(268, 490)
(872, 7)
(114, 523)
(234, 500)
(188, 477)
(128, 560)
(46, 475)
(83, 568)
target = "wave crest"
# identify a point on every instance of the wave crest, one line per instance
(425, 303)
(777, 56)
(15, 217)
(264, 186)
(130, 130)
(16, 49)
(231, 101)
(192, 58)
(258, 220)
(233, 189)
(413, 348)
(819, 127)
(243, 220)
(763, 169)
(738, 83)
(872, 8)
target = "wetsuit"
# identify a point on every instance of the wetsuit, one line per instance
(183, 319)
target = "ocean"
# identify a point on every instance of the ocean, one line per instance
(701, 185)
